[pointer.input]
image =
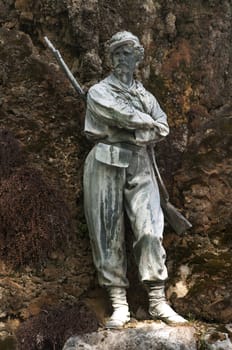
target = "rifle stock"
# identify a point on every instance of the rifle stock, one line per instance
(175, 219)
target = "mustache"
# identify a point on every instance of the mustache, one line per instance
(121, 67)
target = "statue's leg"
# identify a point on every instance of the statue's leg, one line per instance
(142, 202)
(146, 217)
(103, 201)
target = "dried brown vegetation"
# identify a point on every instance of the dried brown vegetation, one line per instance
(34, 218)
(11, 154)
(51, 328)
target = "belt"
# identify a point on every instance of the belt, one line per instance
(129, 146)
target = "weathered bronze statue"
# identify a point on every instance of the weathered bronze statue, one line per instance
(125, 120)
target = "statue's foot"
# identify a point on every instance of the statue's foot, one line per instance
(164, 312)
(119, 318)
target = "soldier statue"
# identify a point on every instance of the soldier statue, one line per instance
(124, 120)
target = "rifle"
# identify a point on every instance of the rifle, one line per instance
(65, 68)
(176, 220)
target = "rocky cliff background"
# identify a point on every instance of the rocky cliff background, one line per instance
(187, 66)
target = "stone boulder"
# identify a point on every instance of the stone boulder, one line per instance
(144, 336)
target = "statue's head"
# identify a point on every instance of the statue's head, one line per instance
(126, 38)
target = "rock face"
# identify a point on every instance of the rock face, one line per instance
(188, 68)
(143, 337)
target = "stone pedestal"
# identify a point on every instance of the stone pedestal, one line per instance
(145, 336)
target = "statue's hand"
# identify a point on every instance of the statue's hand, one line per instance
(146, 121)
(147, 136)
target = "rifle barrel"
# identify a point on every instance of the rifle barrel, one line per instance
(65, 68)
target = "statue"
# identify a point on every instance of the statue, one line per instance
(124, 120)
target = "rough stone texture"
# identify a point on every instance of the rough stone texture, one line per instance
(217, 340)
(188, 67)
(154, 336)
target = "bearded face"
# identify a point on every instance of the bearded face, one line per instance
(124, 59)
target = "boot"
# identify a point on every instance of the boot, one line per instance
(159, 308)
(121, 313)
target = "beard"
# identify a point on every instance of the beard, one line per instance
(124, 73)
(121, 69)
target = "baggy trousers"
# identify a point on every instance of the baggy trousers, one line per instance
(108, 191)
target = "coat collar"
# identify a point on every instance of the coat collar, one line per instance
(135, 89)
